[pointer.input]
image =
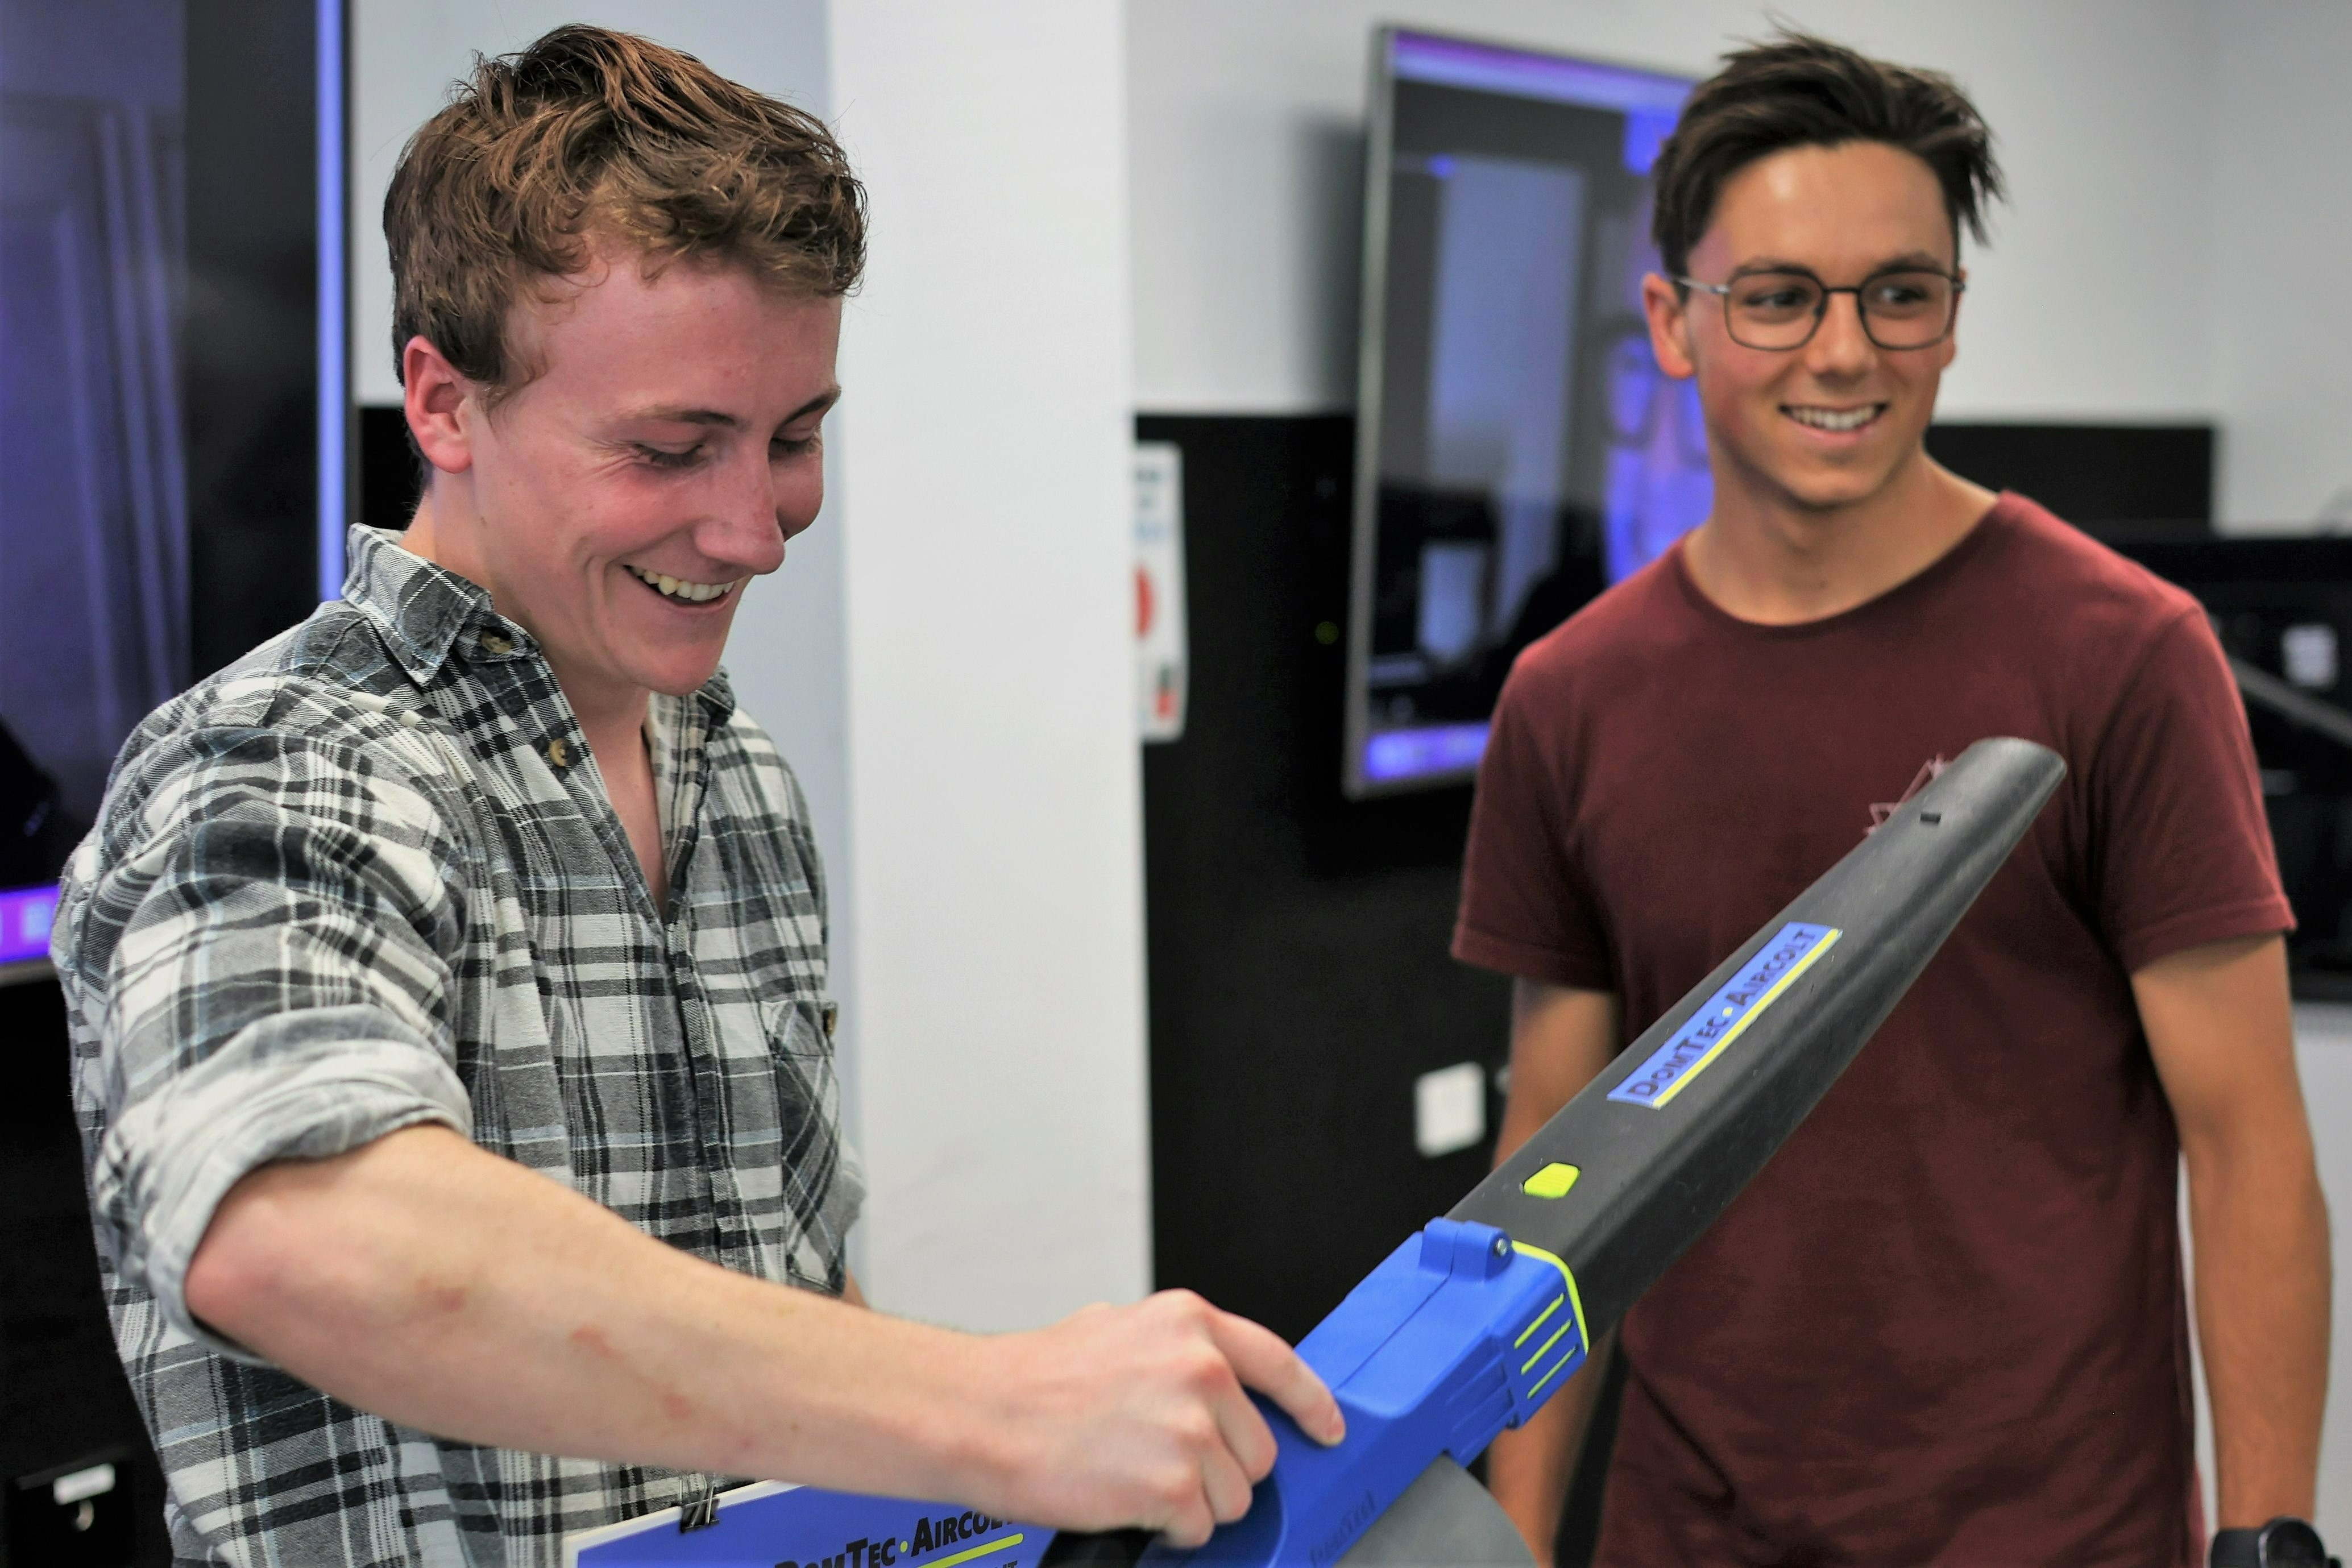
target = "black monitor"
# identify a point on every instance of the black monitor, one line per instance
(172, 482)
(1519, 449)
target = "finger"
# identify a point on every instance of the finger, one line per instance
(1190, 1523)
(1227, 1488)
(1261, 1360)
(1248, 1442)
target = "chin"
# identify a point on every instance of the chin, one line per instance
(1818, 491)
(685, 685)
(676, 677)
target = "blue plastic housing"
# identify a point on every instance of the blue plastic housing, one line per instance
(1456, 1336)
(807, 1527)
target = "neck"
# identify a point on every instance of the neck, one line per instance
(1764, 556)
(612, 714)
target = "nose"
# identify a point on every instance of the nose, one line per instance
(1841, 350)
(745, 527)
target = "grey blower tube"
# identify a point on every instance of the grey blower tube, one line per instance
(1653, 1177)
(1633, 1170)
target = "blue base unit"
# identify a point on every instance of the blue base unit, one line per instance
(1458, 1335)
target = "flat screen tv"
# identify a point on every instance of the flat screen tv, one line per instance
(171, 486)
(1518, 448)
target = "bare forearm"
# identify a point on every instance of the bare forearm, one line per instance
(452, 1290)
(2222, 1031)
(1561, 1039)
(2262, 1287)
(467, 1296)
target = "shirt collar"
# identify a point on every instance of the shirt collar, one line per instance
(425, 611)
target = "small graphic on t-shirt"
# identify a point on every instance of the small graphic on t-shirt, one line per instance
(1880, 810)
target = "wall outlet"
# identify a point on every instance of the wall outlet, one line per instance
(1449, 1109)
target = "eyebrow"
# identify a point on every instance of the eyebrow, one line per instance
(675, 413)
(1910, 261)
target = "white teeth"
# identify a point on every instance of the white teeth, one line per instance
(680, 588)
(1836, 418)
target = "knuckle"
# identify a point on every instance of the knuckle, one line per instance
(1185, 1305)
(1205, 1372)
(1175, 1490)
(1196, 1430)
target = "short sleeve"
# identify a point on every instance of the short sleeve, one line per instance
(1525, 910)
(2182, 846)
(257, 945)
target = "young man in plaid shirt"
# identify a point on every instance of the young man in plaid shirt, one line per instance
(448, 975)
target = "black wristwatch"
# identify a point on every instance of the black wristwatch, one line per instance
(2284, 1542)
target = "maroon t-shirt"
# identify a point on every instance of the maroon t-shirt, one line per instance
(1946, 1325)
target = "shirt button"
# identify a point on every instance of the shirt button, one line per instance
(496, 642)
(559, 752)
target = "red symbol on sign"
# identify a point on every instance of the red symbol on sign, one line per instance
(1143, 602)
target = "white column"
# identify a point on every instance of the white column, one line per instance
(981, 458)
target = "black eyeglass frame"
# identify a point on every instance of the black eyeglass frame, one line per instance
(1722, 291)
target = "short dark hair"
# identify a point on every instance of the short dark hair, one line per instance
(588, 131)
(1799, 90)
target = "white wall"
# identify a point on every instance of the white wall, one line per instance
(1247, 124)
(985, 458)
(2282, 229)
(946, 658)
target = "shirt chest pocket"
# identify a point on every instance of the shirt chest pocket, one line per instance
(798, 1072)
(799, 1030)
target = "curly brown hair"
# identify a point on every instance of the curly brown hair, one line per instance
(590, 132)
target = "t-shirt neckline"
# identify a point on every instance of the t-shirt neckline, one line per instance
(1972, 544)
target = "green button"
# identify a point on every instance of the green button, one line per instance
(1552, 1181)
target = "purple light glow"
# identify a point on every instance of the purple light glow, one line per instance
(1418, 753)
(25, 916)
(1452, 62)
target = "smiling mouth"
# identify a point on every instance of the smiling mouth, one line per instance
(1837, 420)
(677, 590)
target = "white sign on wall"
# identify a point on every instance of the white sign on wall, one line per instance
(1159, 642)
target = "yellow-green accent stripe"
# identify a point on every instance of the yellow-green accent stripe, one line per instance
(1527, 1332)
(1786, 980)
(1544, 1347)
(981, 1550)
(1537, 1387)
(1575, 1306)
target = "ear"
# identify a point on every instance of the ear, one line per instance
(1668, 310)
(1950, 349)
(435, 396)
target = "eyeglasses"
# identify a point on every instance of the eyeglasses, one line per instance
(1903, 309)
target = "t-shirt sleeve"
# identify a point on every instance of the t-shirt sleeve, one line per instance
(257, 946)
(1526, 908)
(2183, 848)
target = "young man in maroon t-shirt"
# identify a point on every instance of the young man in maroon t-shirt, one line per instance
(1946, 1325)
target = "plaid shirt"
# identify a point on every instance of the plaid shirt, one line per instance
(368, 877)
